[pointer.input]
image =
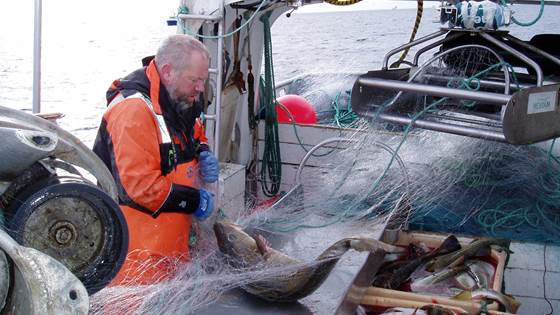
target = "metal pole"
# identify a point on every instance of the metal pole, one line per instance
(218, 107)
(517, 54)
(443, 127)
(486, 83)
(433, 45)
(410, 44)
(37, 58)
(218, 86)
(534, 49)
(200, 17)
(449, 51)
(491, 120)
(493, 98)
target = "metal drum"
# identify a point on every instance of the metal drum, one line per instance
(72, 221)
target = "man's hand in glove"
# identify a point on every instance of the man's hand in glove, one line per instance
(208, 167)
(205, 205)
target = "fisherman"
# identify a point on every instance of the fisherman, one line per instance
(152, 140)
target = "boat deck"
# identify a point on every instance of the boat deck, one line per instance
(533, 273)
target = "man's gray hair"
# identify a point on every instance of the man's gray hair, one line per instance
(177, 50)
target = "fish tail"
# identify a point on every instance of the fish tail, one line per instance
(450, 244)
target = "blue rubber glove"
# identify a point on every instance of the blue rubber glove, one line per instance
(208, 166)
(205, 205)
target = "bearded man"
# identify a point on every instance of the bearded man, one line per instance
(152, 140)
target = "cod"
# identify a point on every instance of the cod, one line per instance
(296, 279)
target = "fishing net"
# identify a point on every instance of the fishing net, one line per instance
(411, 178)
(349, 182)
(194, 288)
(352, 193)
(501, 191)
(380, 175)
(470, 186)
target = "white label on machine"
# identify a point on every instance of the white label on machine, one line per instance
(541, 102)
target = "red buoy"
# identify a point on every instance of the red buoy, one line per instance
(300, 109)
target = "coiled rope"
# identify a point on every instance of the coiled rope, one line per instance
(271, 168)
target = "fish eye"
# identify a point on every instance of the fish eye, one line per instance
(232, 237)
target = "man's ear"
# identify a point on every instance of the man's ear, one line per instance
(165, 73)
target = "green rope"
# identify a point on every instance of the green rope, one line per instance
(343, 118)
(271, 168)
(512, 214)
(531, 22)
(183, 9)
(295, 127)
(187, 31)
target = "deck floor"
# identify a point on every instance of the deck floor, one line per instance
(533, 273)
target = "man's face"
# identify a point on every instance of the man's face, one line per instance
(185, 86)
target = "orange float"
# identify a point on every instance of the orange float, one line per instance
(300, 109)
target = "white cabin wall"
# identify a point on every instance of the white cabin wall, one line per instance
(292, 153)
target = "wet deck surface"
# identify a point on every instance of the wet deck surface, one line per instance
(533, 273)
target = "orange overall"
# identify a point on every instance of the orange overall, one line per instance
(156, 246)
(156, 203)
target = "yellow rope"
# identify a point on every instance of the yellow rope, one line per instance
(342, 2)
(419, 11)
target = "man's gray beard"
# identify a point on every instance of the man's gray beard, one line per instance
(184, 105)
(180, 104)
